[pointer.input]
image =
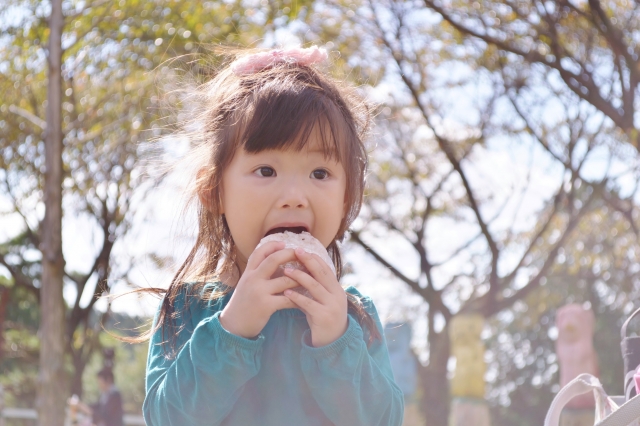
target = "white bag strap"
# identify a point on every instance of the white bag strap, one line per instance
(629, 384)
(625, 415)
(578, 386)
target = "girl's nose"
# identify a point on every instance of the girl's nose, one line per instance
(294, 195)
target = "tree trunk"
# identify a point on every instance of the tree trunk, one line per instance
(5, 296)
(76, 380)
(434, 382)
(52, 389)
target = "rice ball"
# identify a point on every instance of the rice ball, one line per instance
(305, 241)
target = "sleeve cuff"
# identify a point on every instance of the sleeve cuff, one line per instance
(232, 339)
(353, 332)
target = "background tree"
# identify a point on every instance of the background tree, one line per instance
(449, 107)
(524, 166)
(591, 47)
(586, 55)
(111, 52)
(20, 356)
(597, 268)
(50, 400)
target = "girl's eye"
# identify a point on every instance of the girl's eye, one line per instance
(265, 171)
(320, 174)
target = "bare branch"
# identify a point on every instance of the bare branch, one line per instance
(34, 119)
(557, 199)
(16, 208)
(431, 296)
(531, 129)
(91, 5)
(490, 307)
(18, 277)
(445, 146)
(615, 39)
(580, 84)
(623, 206)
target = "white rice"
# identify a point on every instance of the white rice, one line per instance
(304, 240)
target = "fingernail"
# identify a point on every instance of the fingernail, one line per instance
(288, 270)
(287, 292)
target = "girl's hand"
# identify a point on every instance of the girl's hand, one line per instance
(327, 314)
(257, 296)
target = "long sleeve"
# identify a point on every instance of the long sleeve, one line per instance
(353, 383)
(203, 382)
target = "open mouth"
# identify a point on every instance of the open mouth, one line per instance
(294, 229)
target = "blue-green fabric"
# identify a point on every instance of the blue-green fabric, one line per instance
(218, 378)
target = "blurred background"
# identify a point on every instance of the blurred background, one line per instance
(503, 183)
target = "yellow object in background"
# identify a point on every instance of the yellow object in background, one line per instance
(468, 349)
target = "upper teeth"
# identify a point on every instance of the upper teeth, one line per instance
(294, 229)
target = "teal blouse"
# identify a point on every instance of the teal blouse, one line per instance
(218, 378)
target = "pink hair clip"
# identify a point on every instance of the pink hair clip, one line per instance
(261, 60)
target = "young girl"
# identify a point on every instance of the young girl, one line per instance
(280, 149)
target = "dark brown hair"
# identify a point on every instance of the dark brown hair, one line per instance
(106, 374)
(273, 108)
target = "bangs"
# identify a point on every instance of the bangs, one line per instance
(285, 119)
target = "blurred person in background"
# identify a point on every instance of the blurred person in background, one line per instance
(107, 411)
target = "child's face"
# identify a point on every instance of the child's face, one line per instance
(103, 384)
(279, 189)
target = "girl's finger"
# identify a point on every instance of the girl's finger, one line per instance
(280, 284)
(317, 290)
(272, 262)
(283, 302)
(306, 305)
(256, 258)
(319, 270)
